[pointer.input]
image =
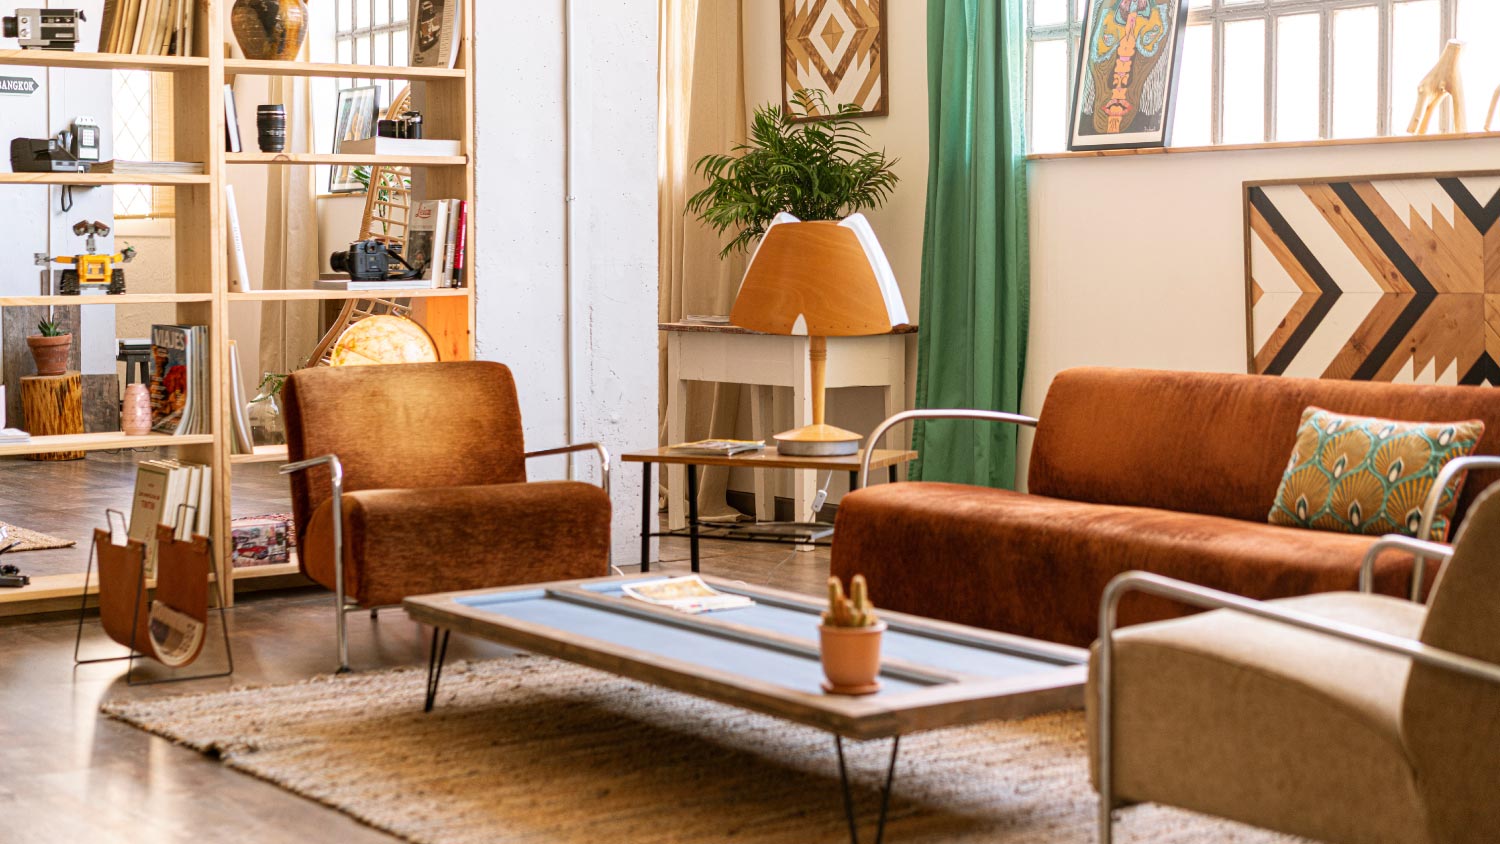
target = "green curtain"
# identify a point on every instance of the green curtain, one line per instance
(975, 265)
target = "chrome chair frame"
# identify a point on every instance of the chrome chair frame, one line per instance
(336, 486)
(1445, 477)
(933, 413)
(1135, 581)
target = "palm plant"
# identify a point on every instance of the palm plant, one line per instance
(822, 170)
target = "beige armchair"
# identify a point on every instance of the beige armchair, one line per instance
(1346, 717)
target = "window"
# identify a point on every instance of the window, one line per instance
(142, 129)
(1282, 70)
(371, 32)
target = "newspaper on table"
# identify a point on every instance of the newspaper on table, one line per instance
(687, 594)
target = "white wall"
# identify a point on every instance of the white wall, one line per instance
(521, 250)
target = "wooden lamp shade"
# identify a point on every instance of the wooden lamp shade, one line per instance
(813, 279)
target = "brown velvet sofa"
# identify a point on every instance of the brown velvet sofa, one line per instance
(1165, 472)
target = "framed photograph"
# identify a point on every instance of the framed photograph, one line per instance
(837, 47)
(1124, 91)
(354, 121)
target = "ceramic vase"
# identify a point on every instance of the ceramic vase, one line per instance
(851, 658)
(50, 353)
(135, 414)
(270, 29)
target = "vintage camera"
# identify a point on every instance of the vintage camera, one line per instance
(407, 125)
(43, 29)
(372, 260)
(43, 155)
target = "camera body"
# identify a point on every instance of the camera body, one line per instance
(407, 125)
(43, 29)
(367, 260)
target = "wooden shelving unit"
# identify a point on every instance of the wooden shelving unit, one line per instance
(202, 295)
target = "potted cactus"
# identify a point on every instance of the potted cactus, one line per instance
(850, 639)
(49, 348)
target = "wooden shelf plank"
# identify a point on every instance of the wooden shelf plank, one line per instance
(92, 180)
(274, 68)
(273, 570)
(51, 586)
(126, 299)
(306, 158)
(319, 295)
(262, 454)
(99, 61)
(99, 442)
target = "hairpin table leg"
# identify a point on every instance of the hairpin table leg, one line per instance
(435, 667)
(885, 791)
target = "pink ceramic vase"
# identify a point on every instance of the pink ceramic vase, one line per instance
(135, 415)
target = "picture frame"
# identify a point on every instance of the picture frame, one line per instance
(355, 119)
(839, 48)
(1139, 114)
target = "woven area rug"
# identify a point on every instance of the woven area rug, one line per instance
(534, 750)
(31, 540)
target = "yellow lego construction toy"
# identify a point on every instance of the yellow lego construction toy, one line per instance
(92, 270)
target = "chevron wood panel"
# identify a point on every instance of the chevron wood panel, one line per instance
(1380, 279)
(838, 47)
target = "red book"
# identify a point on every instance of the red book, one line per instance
(461, 243)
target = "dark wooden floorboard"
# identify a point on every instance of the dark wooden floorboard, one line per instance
(71, 775)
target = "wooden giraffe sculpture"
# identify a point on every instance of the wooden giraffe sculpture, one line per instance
(1443, 83)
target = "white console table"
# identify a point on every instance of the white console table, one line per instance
(764, 363)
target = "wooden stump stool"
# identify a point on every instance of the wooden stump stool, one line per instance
(52, 405)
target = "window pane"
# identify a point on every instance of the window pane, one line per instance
(1298, 49)
(362, 51)
(343, 50)
(1200, 4)
(1244, 98)
(362, 13)
(1479, 25)
(1193, 124)
(383, 12)
(1049, 12)
(1049, 96)
(402, 56)
(1356, 66)
(1416, 42)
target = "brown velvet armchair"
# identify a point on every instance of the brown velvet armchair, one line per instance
(415, 476)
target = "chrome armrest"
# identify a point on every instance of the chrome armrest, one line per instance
(1421, 548)
(597, 448)
(1445, 477)
(933, 413)
(336, 485)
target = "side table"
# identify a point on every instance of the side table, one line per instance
(767, 458)
(53, 405)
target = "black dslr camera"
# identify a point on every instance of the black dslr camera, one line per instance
(372, 260)
(43, 29)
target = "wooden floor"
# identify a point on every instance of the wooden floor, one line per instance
(73, 776)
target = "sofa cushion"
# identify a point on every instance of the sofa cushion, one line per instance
(1361, 474)
(1036, 566)
(1240, 717)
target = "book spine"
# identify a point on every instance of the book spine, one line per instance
(107, 26)
(450, 242)
(461, 242)
(239, 269)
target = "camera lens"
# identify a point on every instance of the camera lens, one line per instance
(339, 261)
(9, 27)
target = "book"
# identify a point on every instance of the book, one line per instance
(425, 239)
(450, 243)
(401, 146)
(688, 594)
(240, 410)
(719, 448)
(260, 541)
(462, 243)
(179, 379)
(13, 435)
(107, 25)
(239, 270)
(232, 140)
(434, 32)
(148, 506)
(143, 168)
(349, 284)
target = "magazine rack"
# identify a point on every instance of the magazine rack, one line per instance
(167, 622)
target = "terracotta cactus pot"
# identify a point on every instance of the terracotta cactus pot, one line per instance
(50, 353)
(851, 658)
(270, 29)
(135, 415)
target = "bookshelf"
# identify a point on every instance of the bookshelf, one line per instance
(201, 295)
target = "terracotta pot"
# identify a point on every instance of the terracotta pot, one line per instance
(851, 658)
(135, 414)
(50, 353)
(270, 29)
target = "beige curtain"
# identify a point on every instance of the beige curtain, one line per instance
(289, 330)
(701, 110)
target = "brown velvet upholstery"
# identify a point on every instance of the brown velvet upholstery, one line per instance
(1168, 472)
(436, 497)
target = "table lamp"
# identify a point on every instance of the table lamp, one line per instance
(819, 280)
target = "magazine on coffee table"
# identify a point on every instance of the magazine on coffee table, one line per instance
(687, 594)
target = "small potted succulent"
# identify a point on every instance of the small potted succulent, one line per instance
(850, 639)
(49, 348)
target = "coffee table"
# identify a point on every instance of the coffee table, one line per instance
(765, 658)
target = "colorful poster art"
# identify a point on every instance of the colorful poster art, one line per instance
(1127, 74)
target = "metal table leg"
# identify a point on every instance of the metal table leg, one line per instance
(853, 481)
(891, 474)
(435, 667)
(648, 505)
(692, 497)
(885, 791)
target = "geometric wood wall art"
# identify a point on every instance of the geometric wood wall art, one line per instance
(1393, 278)
(838, 47)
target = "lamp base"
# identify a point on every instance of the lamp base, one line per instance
(818, 441)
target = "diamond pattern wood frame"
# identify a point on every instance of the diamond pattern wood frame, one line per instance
(838, 47)
(1381, 279)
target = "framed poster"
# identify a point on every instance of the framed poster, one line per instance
(837, 47)
(1126, 83)
(354, 121)
(1375, 278)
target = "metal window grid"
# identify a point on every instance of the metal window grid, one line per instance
(348, 33)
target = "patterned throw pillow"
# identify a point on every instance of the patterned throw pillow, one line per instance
(1356, 474)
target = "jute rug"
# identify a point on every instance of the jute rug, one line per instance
(534, 750)
(31, 540)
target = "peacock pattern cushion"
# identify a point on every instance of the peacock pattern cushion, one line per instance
(1357, 474)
